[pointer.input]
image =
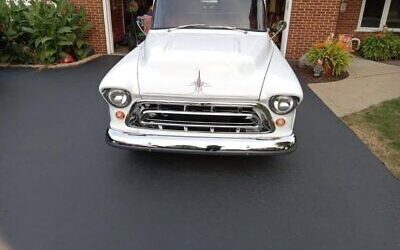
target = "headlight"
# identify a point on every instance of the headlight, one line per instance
(283, 105)
(117, 97)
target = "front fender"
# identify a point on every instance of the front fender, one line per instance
(124, 75)
(280, 79)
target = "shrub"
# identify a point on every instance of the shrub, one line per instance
(381, 47)
(335, 56)
(41, 31)
(13, 41)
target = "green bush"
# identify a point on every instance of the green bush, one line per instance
(334, 56)
(37, 32)
(381, 47)
(13, 41)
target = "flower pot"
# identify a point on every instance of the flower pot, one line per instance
(328, 71)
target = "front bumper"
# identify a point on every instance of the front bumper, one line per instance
(206, 145)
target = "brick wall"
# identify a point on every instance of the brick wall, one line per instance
(311, 21)
(94, 11)
(348, 20)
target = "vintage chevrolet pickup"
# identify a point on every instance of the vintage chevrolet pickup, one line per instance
(207, 79)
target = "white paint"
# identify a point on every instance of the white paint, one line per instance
(232, 64)
(385, 13)
(235, 66)
(361, 14)
(108, 26)
(383, 21)
(285, 34)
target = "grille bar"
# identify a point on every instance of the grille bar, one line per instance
(195, 113)
(196, 122)
(196, 125)
(200, 117)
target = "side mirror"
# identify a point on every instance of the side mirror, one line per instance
(278, 27)
(144, 23)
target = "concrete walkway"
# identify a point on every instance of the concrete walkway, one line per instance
(369, 83)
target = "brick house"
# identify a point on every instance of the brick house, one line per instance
(308, 21)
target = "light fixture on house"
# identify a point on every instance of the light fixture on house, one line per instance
(343, 5)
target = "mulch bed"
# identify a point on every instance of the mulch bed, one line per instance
(51, 66)
(306, 74)
(393, 62)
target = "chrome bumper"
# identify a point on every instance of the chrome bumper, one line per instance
(204, 145)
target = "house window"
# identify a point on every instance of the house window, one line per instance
(376, 13)
(393, 19)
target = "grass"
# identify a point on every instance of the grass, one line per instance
(379, 128)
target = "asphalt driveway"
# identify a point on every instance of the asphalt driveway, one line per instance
(62, 187)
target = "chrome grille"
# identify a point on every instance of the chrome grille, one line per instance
(200, 117)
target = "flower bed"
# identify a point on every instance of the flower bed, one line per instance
(42, 32)
(334, 56)
(326, 61)
(306, 74)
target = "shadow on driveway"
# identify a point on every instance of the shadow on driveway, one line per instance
(62, 187)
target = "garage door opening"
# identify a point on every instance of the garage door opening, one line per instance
(123, 31)
(278, 10)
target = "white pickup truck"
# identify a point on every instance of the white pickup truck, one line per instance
(207, 79)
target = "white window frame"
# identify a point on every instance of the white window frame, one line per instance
(384, 17)
(108, 26)
(285, 33)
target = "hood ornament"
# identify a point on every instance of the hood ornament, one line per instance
(199, 84)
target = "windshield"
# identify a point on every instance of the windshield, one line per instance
(241, 14)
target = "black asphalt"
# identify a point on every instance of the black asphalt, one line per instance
(62, 187)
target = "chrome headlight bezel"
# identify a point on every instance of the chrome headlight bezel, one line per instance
(126, 98)
(283, 104)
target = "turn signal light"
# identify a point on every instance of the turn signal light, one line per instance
(280, 122)
(120, 115)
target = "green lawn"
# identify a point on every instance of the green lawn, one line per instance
(379, 128)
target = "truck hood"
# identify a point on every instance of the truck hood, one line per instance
(204, 64)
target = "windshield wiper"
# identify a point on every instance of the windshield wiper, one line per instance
(187, 26)
(206, 27)
(226, 27)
